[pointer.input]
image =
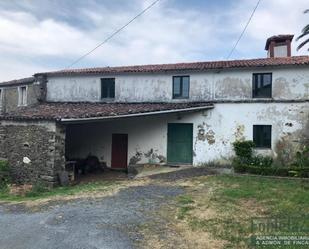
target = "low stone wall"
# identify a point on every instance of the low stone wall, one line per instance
(35, 150)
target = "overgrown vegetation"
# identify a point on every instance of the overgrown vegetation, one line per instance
(244, 149)
(40, 192)
(4, 175)
(302, 158)
(246, 162)
(37, 190)
(223, 206)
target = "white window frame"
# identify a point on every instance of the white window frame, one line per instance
(20, 97)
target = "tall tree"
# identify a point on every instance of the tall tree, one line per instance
(305, 33)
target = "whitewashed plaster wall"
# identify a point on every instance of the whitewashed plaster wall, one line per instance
(213, 134)
(288, 83)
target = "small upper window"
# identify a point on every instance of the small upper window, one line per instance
(262, 85)
(107, 88)
(262, 136)
(181, 87)
(22, 96)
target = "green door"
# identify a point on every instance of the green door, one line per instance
(180, 143)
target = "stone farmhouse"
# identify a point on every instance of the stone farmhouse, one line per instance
(184, 113)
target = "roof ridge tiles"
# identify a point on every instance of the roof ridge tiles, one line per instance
(194, 66)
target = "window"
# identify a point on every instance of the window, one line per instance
(22, 96)
(262, 85)
(262, 136)
(107, 88)
(181, 86)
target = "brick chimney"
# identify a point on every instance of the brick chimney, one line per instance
(279, 46)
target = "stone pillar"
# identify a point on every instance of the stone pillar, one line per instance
(59, 160)
(56, 156)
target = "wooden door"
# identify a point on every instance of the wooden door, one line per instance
(180, 143)
(119, 151)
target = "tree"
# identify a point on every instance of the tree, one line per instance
(305, 33)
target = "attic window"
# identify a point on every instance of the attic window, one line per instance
(107, 88)
(22, 96)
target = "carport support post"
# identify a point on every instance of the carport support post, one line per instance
(59, 155)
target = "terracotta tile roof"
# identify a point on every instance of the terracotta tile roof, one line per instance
(58, 111)
(194, 66)
(18, 81)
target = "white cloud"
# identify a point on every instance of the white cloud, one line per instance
(23, 33)
(30, 43)
(271, 18)
(18, 68)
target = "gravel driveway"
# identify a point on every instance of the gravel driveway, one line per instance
(109, 222)
(106, 222)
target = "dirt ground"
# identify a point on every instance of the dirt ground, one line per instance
(138, 214)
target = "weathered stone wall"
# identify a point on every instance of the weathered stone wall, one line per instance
(10, 97)
(40, 143)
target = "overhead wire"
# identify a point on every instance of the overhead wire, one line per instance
(244, 30)
(113, 34)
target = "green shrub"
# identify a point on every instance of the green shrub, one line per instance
(273, 171)
(4, 174)
(243, 149)
(37, 189)
(244, 157)
(302, 158)
(261, 161)
(238, 165)
(245, 162)
(4, 166)
(303, 172)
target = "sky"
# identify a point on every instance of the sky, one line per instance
(46, 35)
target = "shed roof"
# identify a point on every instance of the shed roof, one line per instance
(81, 110)
(18, 81)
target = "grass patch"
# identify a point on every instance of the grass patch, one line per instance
(225, 229)
(225, 204)
(281, 196)
(39, 192)
(185, 199)
(183, 212)
(185, 204)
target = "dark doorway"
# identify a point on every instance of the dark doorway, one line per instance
(119, 151)
(180, 143)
